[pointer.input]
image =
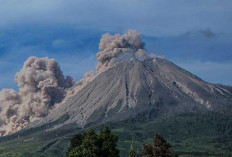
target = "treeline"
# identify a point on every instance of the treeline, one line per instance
(104, 144)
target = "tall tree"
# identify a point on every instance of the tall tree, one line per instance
(159, 148)
(108, 143)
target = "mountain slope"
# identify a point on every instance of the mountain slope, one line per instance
(136, 86)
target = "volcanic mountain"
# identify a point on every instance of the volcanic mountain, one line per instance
(136, 98)
(155, 86)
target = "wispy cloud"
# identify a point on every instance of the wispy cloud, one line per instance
(156, 17)
(206, 33)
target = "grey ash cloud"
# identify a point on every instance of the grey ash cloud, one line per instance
(115, 48)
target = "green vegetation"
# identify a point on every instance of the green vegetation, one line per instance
(103, 144)
(190, 134)
(92, 144)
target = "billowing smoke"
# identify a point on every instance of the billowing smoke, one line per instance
(41, 85)
(116, 48)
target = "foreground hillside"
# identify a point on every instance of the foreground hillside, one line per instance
(191, 134)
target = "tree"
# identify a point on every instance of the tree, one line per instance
(108, 143)
(160, 148)
(75, 142)
(91, 144)
(148, 150)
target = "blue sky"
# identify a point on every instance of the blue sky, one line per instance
(194, 34)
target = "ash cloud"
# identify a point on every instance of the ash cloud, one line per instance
(116, 48)
(41, 84)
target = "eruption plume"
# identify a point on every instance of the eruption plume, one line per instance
(116, 48)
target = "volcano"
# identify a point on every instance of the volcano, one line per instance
(155, 86)
(136, 98)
